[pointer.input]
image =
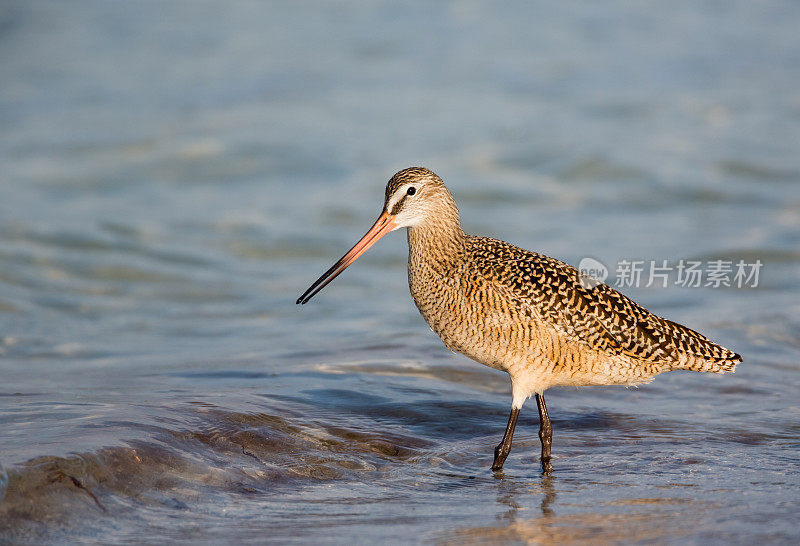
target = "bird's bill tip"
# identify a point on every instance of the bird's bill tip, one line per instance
(383, 225)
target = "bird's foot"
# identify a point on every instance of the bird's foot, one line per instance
(547, 467)
(500, 454)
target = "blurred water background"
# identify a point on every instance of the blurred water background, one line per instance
(174, 174)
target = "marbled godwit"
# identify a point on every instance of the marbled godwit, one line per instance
(525, 313)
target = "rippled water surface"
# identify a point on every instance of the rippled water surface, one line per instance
(173, 175)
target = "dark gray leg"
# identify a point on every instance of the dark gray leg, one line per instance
(502, 450)
(545, 434)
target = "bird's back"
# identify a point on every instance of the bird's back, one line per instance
(591, 313)
(536, 317)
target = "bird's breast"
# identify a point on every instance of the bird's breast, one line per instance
(469, 315)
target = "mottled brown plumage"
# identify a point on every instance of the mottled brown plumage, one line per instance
(530, 315)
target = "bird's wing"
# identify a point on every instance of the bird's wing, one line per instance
(585, 310)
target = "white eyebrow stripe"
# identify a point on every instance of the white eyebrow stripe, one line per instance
(398, 195)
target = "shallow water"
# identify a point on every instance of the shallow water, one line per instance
(175, 175)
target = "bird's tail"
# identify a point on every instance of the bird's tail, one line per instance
(704, 364)
(698, 353)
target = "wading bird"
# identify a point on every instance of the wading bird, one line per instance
(530, 315)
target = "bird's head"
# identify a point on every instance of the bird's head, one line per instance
(414, 197)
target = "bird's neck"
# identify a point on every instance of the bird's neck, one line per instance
(436, 242)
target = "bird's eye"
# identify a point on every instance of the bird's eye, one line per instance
(412, 190)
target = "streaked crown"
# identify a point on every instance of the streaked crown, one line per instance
(416, 195)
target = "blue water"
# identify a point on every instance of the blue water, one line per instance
(175, 174)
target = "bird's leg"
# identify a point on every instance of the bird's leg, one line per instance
(545, 434)
(502, 450)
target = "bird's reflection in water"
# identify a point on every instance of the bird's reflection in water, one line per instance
(509, 491)
(548, 495)
(638, 519)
